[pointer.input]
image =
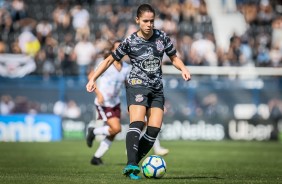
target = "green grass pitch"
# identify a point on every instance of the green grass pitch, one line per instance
(190, 162)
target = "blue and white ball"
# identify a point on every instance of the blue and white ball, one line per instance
(154, 166)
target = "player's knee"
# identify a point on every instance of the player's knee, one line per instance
(116, 130)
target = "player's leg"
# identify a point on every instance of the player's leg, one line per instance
(155, 118)
(111, 116)
(155, 114)
(158, 149)
(136, 115)
(137, 102)
(100, 114)
(114, 129)
(102, 149)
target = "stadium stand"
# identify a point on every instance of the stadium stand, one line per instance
(186, 21)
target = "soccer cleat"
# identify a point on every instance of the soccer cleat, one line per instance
(161, 151)
(90, 137)
(96, 161)
(131, 169)
(134, 176)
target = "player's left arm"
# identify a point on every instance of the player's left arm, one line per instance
(177, 63)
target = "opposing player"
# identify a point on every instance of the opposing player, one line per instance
(144, 90)
(107, 103)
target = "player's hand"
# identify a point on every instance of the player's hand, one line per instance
(186, 75)
(90, 86)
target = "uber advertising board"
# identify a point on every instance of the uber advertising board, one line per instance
(30, 128)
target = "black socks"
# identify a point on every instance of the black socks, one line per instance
(132, 141)
(147, 142)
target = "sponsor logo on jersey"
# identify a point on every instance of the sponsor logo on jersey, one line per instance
(135, 81)
(139, 98)
(151, 64)
(160, 45)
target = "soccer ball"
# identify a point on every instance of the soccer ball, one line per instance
(154, 166)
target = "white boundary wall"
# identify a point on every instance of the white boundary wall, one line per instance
(242, 71)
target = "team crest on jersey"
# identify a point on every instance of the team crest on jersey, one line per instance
(109, 114)
(160, 45)
(139, 98)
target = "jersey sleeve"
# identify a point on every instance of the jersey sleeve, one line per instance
(169, 47)
(122, 50)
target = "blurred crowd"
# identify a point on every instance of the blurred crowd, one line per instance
(68, 37)
(19, 104)
(23, 105)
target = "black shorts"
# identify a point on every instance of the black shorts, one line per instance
(105, 113)
(144, 96)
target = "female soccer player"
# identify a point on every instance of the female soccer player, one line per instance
(107, 103)
(144, 89)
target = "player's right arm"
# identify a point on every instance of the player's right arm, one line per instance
(91, 86)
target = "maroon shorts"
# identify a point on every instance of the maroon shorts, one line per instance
(105, 113)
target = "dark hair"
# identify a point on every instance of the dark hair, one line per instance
(106, 53)
(109, 51)
(145, 8)
(113, 44)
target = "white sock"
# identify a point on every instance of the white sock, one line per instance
(103, 148)
(157, 144)
(143, 132)
(104, 130)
